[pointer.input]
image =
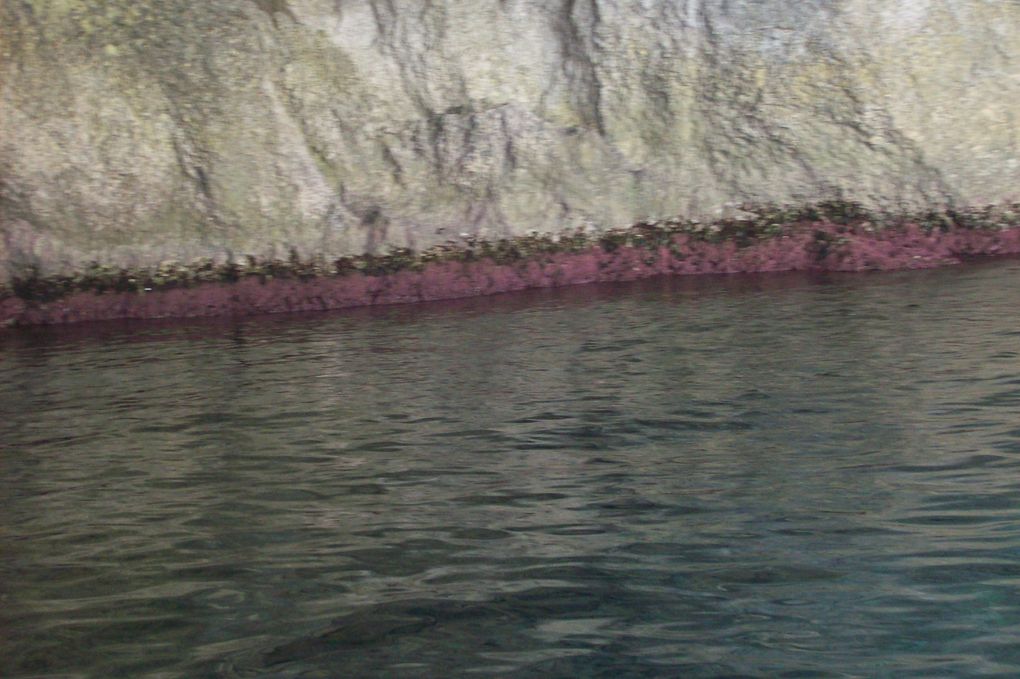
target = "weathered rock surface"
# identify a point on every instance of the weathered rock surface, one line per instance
(138, 131)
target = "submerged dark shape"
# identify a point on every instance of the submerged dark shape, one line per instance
(382, 624)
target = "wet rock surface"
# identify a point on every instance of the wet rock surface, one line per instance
(139, 133)
(841, 238)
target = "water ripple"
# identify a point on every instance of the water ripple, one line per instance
(771, 476)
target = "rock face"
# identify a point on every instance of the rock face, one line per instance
(138, 131)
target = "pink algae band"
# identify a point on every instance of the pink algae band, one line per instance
(816, 246)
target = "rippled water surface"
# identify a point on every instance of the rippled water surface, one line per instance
(725, 477)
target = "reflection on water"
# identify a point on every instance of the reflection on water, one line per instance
(732, 476)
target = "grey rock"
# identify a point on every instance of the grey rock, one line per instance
(138, 131)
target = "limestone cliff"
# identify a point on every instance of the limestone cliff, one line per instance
(138, 131)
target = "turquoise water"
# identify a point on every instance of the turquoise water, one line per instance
(774, 476)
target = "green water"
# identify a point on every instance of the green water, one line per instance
(774, 476)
